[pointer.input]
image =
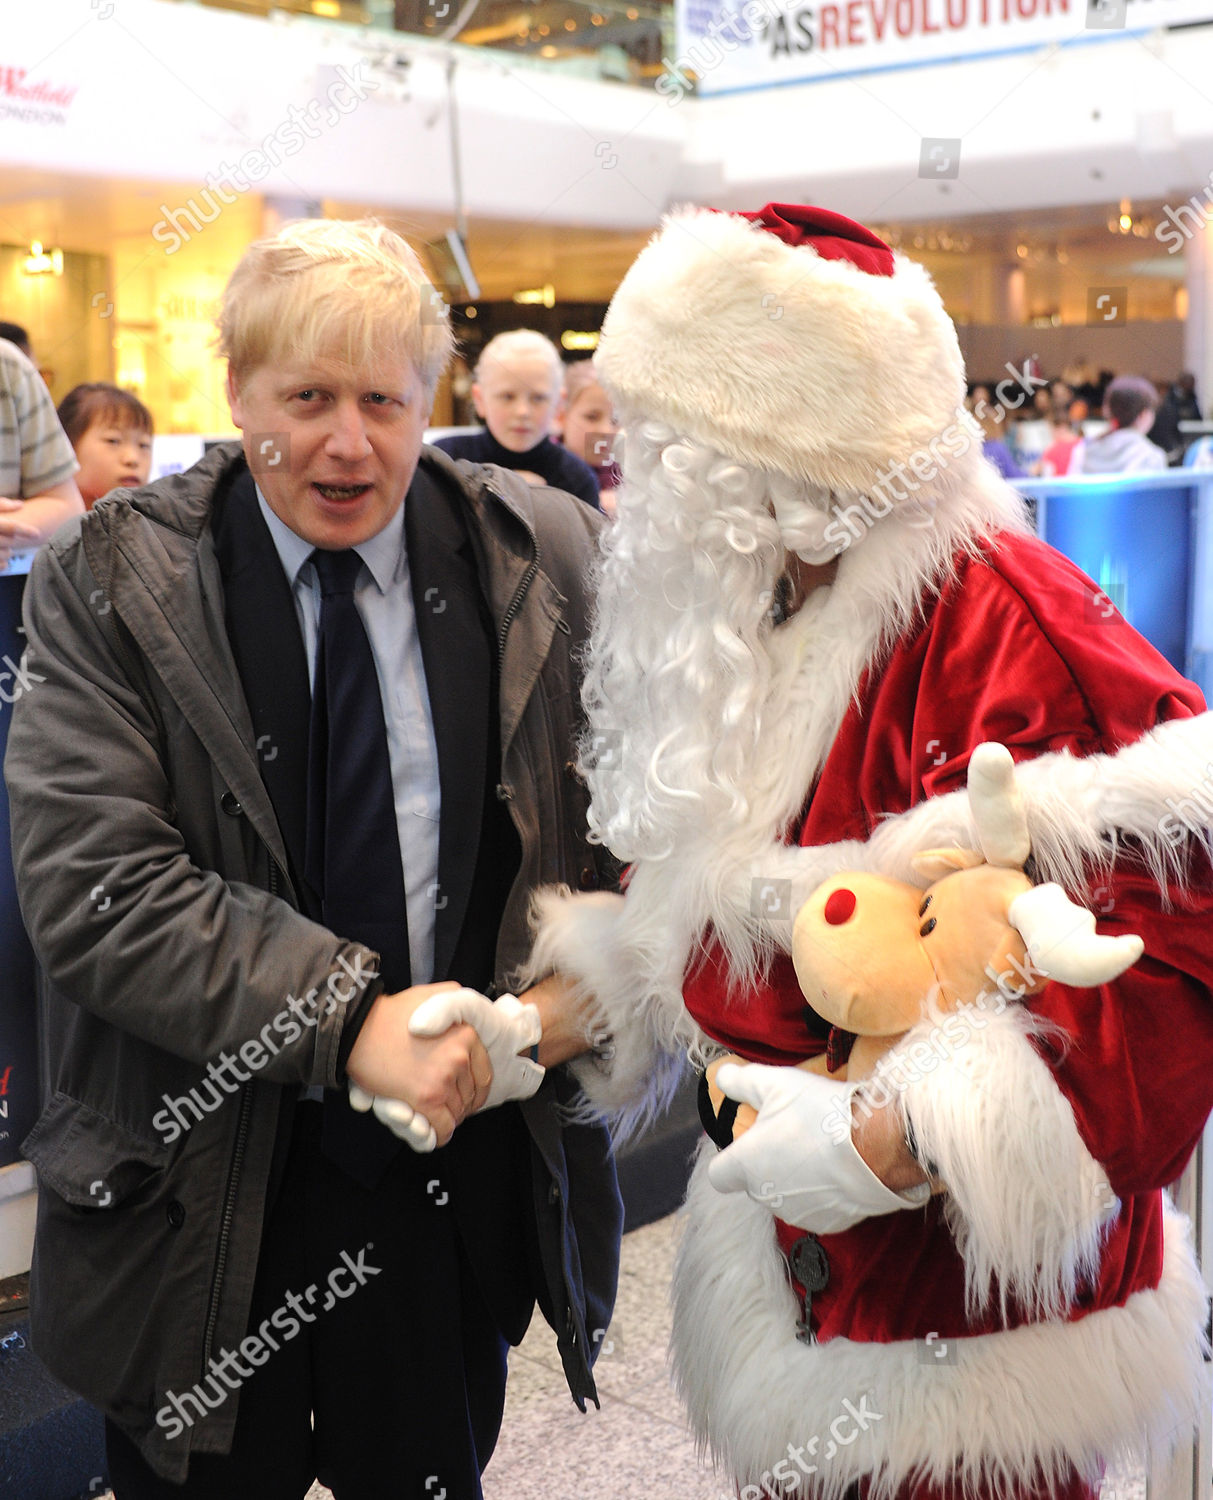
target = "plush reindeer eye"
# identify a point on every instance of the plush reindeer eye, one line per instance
(926, 927)
(839, 906)
(922, 910)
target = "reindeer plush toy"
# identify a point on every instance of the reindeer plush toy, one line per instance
(872, 953)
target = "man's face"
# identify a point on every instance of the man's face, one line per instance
(333, 447)
(517, 400)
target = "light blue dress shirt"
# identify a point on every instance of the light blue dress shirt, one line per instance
(384, 598)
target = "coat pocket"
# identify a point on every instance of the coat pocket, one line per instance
(88, 1159)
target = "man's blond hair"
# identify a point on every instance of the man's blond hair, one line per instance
(350, 289)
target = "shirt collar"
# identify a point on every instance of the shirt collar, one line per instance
(382, 553)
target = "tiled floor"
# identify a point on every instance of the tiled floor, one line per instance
(637, 1444)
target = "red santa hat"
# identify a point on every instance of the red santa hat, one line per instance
(791, 339)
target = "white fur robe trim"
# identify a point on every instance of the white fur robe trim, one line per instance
(640, 1051)
(987, 1113)
(1157, 791)
(1022, 1405)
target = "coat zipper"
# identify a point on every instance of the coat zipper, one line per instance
(229, 1201)
(524, 582)
(225, 1227)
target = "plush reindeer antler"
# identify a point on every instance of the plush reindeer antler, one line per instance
(997, 808)
(1060, 936)
(1062, 942)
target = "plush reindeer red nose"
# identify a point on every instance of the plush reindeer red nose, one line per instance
(839, 907)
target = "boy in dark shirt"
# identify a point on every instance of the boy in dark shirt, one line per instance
(518, 389)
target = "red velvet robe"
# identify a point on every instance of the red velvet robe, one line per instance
(1016, 648)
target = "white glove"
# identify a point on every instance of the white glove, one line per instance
(400, 1118)
(505, 1027)
(792, 1160)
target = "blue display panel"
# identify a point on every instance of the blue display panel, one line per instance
(1144, 540)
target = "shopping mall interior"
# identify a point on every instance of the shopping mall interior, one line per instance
(1049, 163)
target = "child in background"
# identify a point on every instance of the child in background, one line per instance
(111, 431)
(1055, 461)
(990, 417)
(588, 428)
(518, 393)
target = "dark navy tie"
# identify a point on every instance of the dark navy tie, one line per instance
(352, 853)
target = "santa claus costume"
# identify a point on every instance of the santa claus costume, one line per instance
(788, 385)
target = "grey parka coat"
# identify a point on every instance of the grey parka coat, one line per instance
(153, 883)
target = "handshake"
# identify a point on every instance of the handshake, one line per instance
(506, 1028)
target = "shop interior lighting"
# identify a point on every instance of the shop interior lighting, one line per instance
(538, 296)
(41, 263)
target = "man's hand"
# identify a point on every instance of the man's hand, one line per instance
(15, 535)
(505, 1026)
(443, 1078)
(798, 1158)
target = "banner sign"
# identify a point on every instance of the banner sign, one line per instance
(727, 45)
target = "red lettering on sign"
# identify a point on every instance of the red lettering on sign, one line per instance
(880, 16)
(854, 24)
(829, 27)
(4, 1077)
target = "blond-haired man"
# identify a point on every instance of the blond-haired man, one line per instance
(328, 712)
